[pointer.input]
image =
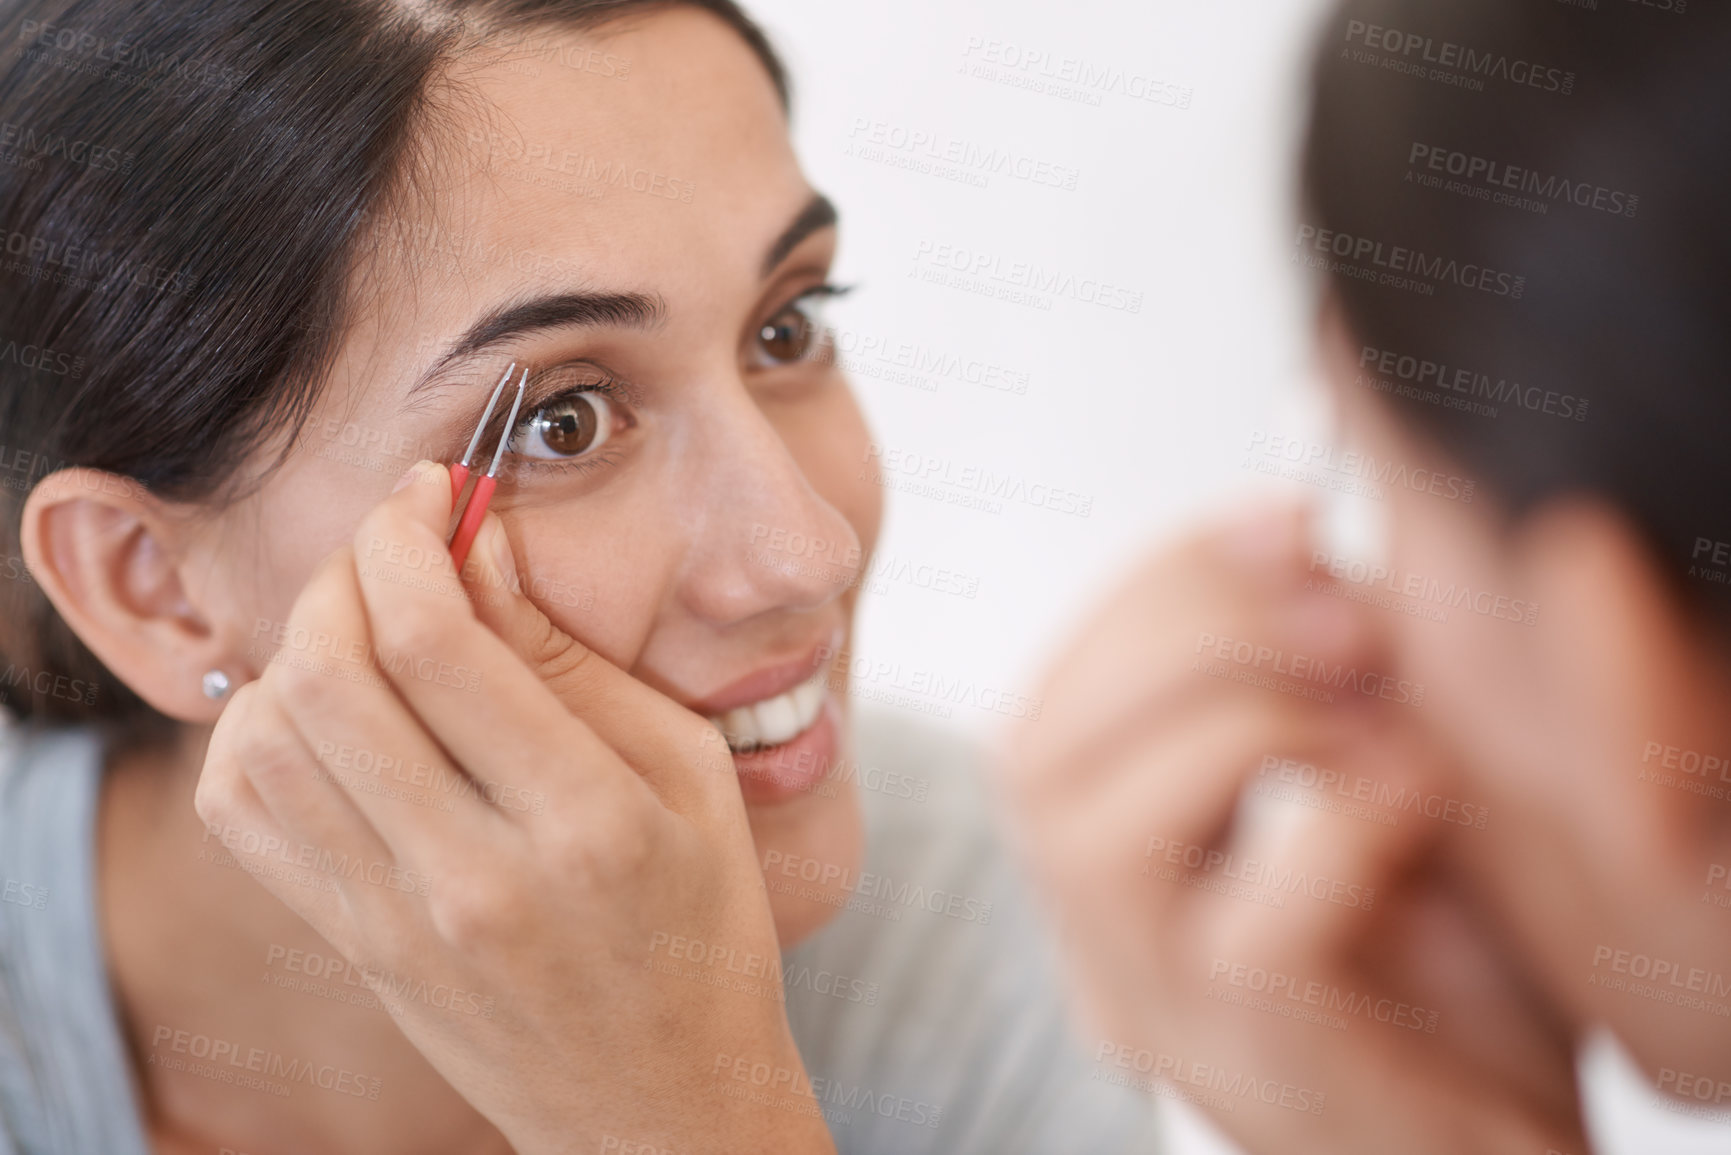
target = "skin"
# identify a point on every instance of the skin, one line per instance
(1499, 930)
(631, 589)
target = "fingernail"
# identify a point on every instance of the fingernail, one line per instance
(413, 475)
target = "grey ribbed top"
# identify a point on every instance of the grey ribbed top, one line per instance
(927, 1024)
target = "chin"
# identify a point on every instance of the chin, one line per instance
(810, 843)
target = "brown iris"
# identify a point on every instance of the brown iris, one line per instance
(568, 426)
(790, 335)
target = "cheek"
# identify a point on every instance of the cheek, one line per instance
(599, 573)
(833, 447)
(268, 546)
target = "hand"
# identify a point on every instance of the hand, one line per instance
(1190, 944)
(587, 815)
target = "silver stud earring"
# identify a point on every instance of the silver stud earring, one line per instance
(215, 684)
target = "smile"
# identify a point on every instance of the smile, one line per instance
(776, 720)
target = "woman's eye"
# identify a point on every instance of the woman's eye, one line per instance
(794, 334)
(566, 427)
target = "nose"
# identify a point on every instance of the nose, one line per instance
(765, 539)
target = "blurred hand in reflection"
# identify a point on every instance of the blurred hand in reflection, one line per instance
(1310, 972)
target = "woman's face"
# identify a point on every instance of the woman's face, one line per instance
(621, 211)
(1564, 677)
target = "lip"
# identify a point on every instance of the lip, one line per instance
(768, 681)
(795, 769)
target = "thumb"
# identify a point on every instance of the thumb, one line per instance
(651, 731)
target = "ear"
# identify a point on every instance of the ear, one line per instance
(1637, 659)
(108, 555)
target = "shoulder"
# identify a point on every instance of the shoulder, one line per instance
(63, 1081)
(929, 1012)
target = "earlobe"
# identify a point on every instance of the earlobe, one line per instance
(104, 551)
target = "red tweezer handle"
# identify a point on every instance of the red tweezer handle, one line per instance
(459, 474)
(470, 525)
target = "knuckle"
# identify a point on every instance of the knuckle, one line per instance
(561, 660)
(414, 627)
(309, 688)
(272, 756)
(600, 855)
(473, 909)
(214, 798)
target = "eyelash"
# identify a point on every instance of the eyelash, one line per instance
(817, 293)
(616, 391)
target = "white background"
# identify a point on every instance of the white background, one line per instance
(1147, 413)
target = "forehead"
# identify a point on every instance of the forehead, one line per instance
(648, 154)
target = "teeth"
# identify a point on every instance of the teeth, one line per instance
(773, 720)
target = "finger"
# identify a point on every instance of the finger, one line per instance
(238, 818)
(1432, 950)
(482, 702)
(1224, 605)
(367, 754)
(359, 884)
(1151, 836)
(647, 728)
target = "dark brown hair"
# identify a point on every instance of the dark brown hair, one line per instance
(185, 193)
(1571, 162)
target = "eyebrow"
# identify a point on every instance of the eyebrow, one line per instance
(620, 310)
(555, 311)
(818, 214)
